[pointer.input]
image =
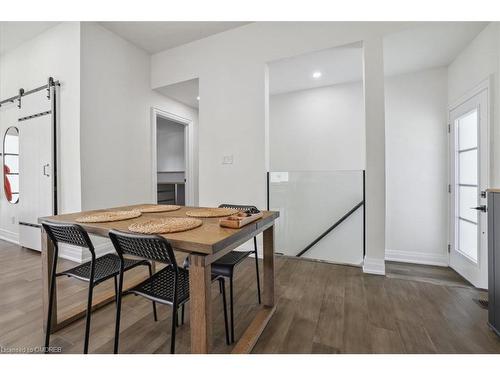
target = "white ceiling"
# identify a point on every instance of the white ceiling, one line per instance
(432, 45)
(184, 92)
(151, 36)
(13, 34)
(337, 65)
(418, 48)
(154, 37)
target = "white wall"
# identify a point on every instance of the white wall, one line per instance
(475, 64)
(56, 53)
(105, 115)
(232, 69)
(313, 134)
(116, 139)
(170, 146)
(416, 157)
(374, 113)
(416, 165)
(116, 102)
(318, 129)
(116, 99)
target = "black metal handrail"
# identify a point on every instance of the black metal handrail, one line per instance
(340, 221)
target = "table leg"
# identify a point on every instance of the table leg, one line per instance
(269, 267)
(47, 259)
(264, 314)
(200, 309)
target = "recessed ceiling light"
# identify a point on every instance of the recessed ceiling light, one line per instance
(316, 75)
(198, 98)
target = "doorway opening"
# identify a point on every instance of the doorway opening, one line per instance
(172, 156)
(171, 140)
(316, 154)
(174, 146)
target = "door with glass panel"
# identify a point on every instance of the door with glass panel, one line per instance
(469, 180)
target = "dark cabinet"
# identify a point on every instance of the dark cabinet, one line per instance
(494, 260)
(171, 193)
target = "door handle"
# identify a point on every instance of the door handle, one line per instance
(45, 173)
(480, 208)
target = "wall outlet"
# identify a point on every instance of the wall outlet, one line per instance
(13, 219)
(227, 159)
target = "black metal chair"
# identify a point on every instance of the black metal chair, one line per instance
(224, 267)
(169, 286)
(94, 272)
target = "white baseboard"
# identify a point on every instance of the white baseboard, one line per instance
(80, 255)
(432, 259)
(9, 236)
(70, 252)
(101, 249)
(374, 266)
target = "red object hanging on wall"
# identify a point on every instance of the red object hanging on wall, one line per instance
(6, 183)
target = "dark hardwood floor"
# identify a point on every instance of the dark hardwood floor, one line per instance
(322, 308)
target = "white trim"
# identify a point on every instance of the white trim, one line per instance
(80, 255)
(189, 153)
(485, 84)
(70, 252)
(100, 250)
(374, 266)
(9, 236)
(431, 259)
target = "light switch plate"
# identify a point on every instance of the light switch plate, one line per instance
(227, 159)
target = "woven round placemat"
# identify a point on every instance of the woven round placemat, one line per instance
(212, 212)
(158, 208)
(107, 216)
(165, 225)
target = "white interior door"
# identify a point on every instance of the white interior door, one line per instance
(469, 172)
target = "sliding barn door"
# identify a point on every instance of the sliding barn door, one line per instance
(36, 166)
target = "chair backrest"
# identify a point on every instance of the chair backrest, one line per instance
(239, 207)
(72, 234)
(150, 247)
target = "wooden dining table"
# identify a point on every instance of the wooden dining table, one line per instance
(204, 245)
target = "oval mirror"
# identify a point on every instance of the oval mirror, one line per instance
(11, 164)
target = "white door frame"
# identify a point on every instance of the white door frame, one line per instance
(188, 153)
(484, 177)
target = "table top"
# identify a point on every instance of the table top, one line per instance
(206, 239)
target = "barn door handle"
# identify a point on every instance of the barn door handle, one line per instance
(45, 173)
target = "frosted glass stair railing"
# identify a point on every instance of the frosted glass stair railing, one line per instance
(321, 214)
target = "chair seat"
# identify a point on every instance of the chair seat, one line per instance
(224, 266)
(106, 267)
(160, 286)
